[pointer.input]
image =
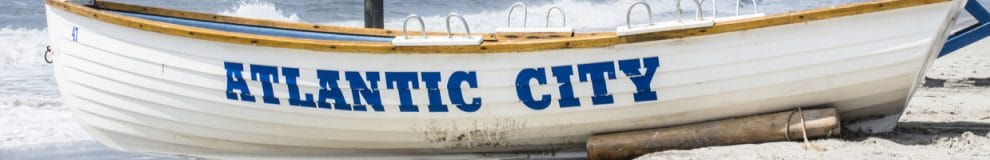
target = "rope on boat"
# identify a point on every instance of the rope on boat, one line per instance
(48, 51)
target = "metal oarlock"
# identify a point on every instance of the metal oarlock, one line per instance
(466, 28)
(677, 12)
(426, 40)
(422, 25)
(654, 27)
(649, 12)
(509, 32)
(563, 18)
(513, 8)
(755, 6)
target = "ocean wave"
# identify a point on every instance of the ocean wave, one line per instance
(22, 48)
(260, 10)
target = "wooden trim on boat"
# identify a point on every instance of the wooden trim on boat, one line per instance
(589, 40)
(115, 6)
(101, 4)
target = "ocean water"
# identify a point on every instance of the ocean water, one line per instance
(35, 124)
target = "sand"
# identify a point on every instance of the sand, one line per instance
(948, 118)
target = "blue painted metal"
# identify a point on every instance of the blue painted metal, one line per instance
(972, 34)
(258, 30)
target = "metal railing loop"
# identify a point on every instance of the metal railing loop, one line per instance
(649, 12)
(464, 22)
(508, 22)
(755, 6)
(422, 25)
(563, 17)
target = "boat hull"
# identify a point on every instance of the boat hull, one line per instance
(143, 91)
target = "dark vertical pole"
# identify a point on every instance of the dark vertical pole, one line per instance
(374, 16)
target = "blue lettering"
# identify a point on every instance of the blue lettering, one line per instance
(596, 72)
(456, 94)
(432, 82)
(631, 68)
(359, 89)
(266, 75)
(291, 74)
(563, 76)
(235, 81)
(401, 82)
(524, 91)
(330, 90)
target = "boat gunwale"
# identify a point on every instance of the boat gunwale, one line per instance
(585, 40)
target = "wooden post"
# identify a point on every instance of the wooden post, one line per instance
(374, 16)
(745, 130)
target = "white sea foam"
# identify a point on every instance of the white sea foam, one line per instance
(31, 111)
(22, 48)
(260, 10)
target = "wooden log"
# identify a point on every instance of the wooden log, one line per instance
(752, 129)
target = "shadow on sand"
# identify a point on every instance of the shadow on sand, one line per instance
(924, 133)
(72, 150)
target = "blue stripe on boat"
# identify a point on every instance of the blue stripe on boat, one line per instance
(258, 30)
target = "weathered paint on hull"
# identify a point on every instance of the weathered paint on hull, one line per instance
(148, 92)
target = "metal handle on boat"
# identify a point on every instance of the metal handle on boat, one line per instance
(563, 18)
(422, 26)
(714, 8)
(47, 52)
(466, 28)
(739, 4)
(697, 12)
(649, 12)
(513, 8)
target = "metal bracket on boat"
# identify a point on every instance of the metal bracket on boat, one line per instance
(425, 40)
(756, 13)
(47, 52)
(652, 27)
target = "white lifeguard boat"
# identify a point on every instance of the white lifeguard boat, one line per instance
(146, 79)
